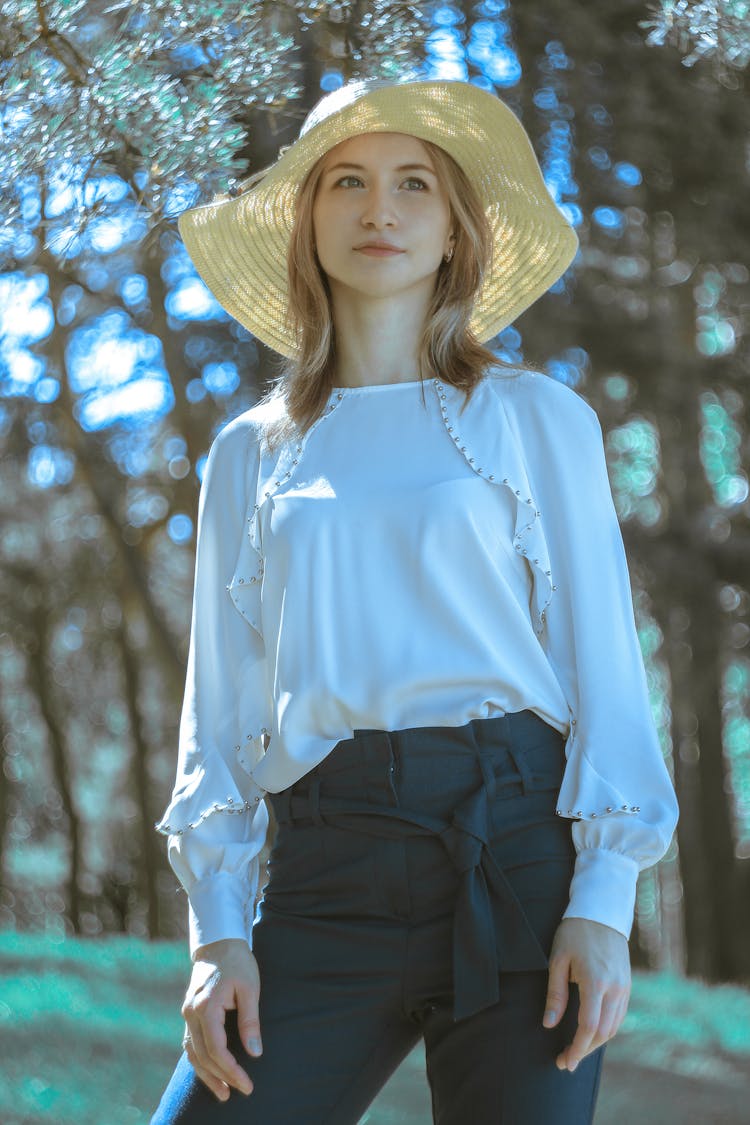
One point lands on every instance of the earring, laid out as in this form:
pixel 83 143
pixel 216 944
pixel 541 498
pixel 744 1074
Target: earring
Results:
pixel 447 257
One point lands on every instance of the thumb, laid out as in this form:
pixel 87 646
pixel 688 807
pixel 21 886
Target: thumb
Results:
pixel 557 992
pixel 248 1023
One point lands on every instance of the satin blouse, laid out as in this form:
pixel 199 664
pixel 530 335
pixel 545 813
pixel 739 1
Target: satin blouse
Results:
pixel 403 564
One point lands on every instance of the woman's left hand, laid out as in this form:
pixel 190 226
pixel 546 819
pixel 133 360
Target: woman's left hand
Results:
pixel 597 958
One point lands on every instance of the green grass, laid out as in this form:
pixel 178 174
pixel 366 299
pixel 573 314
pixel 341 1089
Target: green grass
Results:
pixel 90 1032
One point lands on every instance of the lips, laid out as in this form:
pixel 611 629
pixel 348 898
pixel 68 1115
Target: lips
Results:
pixel 380 246
pixel 379 251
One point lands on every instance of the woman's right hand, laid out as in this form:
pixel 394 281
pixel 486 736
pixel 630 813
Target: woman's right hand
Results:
pixel 225 976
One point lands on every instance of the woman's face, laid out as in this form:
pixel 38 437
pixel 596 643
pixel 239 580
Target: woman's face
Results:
pixel 367 192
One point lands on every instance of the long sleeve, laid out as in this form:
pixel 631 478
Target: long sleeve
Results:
pixel 216 820
pixel 616 786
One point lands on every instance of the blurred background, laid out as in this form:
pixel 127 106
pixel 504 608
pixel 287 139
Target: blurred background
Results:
pixel 117 368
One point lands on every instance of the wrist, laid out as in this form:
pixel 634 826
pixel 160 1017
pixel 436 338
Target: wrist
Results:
pixel 219 948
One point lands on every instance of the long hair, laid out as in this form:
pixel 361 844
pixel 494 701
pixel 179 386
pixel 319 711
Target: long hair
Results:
pixel 448 348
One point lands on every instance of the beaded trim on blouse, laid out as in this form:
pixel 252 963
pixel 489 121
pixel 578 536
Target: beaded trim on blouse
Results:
pixel 528 540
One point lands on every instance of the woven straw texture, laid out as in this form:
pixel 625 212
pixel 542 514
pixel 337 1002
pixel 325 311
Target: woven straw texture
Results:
pixel 238 245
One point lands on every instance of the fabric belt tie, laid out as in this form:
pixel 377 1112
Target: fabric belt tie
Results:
pixel 480 949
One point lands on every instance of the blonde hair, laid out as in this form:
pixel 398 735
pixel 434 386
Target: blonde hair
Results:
pixel 448 347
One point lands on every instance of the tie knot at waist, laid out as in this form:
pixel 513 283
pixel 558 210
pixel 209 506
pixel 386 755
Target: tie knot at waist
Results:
pixel 481 950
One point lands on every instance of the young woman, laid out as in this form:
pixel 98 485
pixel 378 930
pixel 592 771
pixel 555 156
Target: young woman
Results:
pixel 413 640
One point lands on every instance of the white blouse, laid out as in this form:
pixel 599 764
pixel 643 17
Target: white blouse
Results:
pixel 405 564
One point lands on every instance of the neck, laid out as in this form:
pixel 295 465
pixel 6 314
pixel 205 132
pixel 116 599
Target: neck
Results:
pixel 377 339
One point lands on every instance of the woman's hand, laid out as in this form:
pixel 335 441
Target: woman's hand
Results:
pixel 597 958
pixel 225 975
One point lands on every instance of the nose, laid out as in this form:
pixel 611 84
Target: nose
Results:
pixel 378 208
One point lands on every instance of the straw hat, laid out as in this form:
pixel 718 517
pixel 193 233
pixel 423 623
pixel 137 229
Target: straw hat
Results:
pixel 238 244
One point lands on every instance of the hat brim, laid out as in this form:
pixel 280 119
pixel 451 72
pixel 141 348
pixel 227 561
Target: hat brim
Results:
pixel 239 245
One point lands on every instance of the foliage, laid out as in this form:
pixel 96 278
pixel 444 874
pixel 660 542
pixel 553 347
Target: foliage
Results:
pixel 717 30
pixel 159 93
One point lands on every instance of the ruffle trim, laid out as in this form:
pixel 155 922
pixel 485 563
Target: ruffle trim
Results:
pixel 493 453
pixel 245 586
pixel 584 793
pixel 491 450
pixel 211 788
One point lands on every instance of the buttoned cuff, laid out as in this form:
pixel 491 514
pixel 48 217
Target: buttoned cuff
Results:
pixel 218 908
pixel 603 888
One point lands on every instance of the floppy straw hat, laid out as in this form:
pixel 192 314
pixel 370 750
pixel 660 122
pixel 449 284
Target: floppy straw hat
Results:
pixel 239 244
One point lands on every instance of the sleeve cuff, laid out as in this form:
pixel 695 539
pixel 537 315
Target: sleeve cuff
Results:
pixel 603 888
pixel 218 909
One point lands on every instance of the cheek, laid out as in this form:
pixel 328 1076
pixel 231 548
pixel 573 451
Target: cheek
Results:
pixel 328 218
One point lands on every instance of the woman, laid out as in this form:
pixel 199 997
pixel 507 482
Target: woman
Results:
pixel 427 664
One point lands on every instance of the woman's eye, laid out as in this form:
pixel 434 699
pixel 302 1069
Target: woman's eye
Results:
pixel 410 180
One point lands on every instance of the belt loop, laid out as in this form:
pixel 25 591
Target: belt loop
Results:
pixel 522 768
pixel 314 797
pixel 488 774
pixel 280 803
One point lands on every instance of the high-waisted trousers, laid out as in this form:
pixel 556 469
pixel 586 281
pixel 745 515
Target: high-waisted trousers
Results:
pixel 415 884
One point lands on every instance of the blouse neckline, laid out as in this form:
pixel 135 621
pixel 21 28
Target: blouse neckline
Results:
pixel 372 388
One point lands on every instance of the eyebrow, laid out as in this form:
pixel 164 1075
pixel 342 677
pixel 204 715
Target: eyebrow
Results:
pixel 400 168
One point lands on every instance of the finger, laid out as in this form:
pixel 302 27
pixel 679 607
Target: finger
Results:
pixel 195 1049
pixel 621 1013
pixel 609 1021
pixel 221 1060
pixel 557 991
pixel 588 1022
pixel 247 1021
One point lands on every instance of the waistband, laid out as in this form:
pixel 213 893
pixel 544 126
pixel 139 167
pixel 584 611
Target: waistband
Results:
pixel 480 950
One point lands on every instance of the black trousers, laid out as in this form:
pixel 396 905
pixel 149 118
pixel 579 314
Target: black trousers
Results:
pixel 414 888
